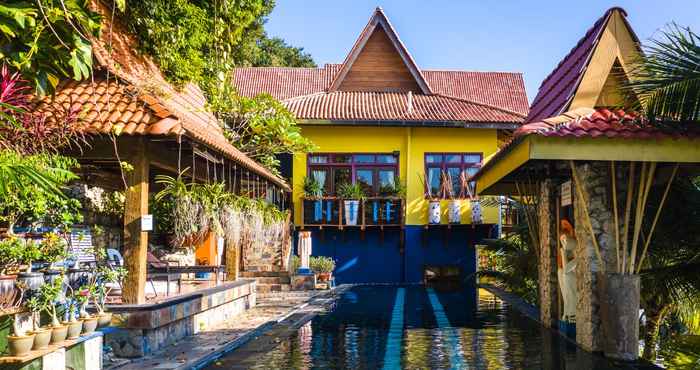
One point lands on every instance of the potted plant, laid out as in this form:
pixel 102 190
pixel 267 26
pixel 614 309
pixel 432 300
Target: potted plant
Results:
pixel 474 202
pixel 49 297
pixel 42 336
pixel 394 190
pixel 433 202
pixel 313 189
pixel 21 342
pixel 10 254
pixel 351 194
pixel 323 267
pixel 74 325
pixel 82 298
pixel 30 253
pixel 107 277
pixel 454 207
pixel 53 248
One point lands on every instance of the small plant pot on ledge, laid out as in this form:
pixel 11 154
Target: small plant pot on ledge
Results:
pixel 620 315
pixel 20 346
pixel 434 212
pixel 324 276
pixel 352 209
pixel 42 337
pixel 89 324
pixel 59 334
pixel 104 319
pixel 455 211
pixel 74 329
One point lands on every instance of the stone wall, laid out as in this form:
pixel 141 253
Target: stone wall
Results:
pixel 595 177
pixel 547 268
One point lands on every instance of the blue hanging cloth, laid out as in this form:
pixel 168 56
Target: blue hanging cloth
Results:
pixel 318 210
pixel 375 211
pixel 389 218
pixel 329 214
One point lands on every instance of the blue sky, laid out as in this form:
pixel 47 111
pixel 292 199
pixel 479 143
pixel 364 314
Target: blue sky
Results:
pixel 493 35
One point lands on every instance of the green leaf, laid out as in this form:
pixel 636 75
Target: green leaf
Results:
pixel 121 5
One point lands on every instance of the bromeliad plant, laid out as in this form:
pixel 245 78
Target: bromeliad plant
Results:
pixel 351 191
pixel 312 187
pixel 395 189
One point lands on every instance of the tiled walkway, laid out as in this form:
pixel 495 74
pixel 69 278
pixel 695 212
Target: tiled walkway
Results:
pixel 270 308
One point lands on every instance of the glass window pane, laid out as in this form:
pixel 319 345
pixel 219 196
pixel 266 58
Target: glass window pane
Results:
pixel 386 158
pixel 471 171
pixel 318 159
pixel 386 178
pixel 453 158
pixel 366 180
pixel 434 181
pixel 321 177
pixel 341 176
pixel 454 174
pixel 342 158
pixel 472 158
pixel 433 158
pixel 364 158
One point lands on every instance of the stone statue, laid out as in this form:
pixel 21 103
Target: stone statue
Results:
pixel 566 271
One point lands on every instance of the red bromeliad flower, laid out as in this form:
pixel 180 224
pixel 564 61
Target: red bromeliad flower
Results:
pixel 14 91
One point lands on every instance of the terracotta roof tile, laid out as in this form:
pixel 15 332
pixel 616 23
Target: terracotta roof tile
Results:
pixel 459 96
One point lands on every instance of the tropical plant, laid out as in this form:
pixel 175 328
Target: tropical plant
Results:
pixel 48 40
pixel 103 283
pixel 11 250
pixel 312 187
pixel 30 253
pixel 393 189
pixel 48 296
pixel 321 264
pixel 666 78
pixel 190 219
pixel 351 191
pixel 53 248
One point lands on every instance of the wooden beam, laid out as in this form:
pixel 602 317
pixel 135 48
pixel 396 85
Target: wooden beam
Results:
pixel 135 240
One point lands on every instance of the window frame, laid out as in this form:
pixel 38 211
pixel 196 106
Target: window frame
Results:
pixel 443 165
pixel 354 166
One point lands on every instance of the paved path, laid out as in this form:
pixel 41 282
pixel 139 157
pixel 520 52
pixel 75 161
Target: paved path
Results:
pixel 270 309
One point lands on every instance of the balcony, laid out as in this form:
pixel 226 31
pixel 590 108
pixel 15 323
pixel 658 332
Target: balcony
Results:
pixel 373 212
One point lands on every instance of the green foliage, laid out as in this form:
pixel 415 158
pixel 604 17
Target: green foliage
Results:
pixel 321 264
pixel 53 247
pixel 30 252
pixel 666 79
pixel 295 263
pixel 312 187
pixel 11 250
pixel 257 50
pixel 351 191
pixel 397 189
pixel 261 126
pixel 46 40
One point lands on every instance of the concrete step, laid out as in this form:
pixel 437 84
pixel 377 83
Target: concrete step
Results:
pixel 257 274
pixel 261 268
pixel 273 280
pixel 268 288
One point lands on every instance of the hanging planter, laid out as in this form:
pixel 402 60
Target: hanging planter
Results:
pixel 477 217
pixel 455 211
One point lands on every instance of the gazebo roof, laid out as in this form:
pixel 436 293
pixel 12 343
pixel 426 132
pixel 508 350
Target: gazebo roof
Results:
pixel 585 134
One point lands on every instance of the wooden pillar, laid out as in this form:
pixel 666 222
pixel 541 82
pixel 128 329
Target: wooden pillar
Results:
pixel 547 267
pixel 135 240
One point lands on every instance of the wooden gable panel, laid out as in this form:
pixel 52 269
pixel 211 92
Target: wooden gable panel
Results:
pixel 379 67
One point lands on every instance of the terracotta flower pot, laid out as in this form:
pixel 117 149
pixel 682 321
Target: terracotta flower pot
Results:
pixel 20 346
pixel 74 329
pixel 42 337
pixel 59 334
pixel 324 276
pixel 104 319
pixel 89 324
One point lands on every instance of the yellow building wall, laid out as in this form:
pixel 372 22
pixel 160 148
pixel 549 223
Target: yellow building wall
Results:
pixel 412 144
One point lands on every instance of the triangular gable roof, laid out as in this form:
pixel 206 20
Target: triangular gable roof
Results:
pixel 380 23
pixel 564 88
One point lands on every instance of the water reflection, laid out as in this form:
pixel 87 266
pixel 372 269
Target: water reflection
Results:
pixel 482 332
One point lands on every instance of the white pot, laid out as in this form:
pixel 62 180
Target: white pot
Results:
pixel 352 209
pixel 434 212
pixel 455 211
pixel 476 212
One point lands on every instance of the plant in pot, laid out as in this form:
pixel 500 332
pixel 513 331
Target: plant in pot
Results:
pixel 53 248
pixel 71 304
pixel 82 297
pixel 351 194
pixel 323 267
pixel 474 202
pixel 433 201
pixel 30 252
pixel 49 297
pixel 107 279
pixel 313 189
pixel 454 207
pixel 22 341
pixel 42 335
pixel 10 254
pixel 190 219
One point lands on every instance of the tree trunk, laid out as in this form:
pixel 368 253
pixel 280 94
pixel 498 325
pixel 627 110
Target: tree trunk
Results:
pixel 654 318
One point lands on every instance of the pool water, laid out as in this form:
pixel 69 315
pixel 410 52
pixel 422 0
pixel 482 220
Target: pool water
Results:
pixel 416 327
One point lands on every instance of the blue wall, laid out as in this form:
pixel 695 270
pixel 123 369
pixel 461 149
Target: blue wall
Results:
pixel 374 259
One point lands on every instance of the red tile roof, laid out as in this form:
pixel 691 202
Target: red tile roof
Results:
pixel 489 97
pixel 558 89
pixel 602 123
pixel 138 98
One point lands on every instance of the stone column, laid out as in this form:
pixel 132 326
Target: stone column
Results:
pixel 595 179
pixel 547 267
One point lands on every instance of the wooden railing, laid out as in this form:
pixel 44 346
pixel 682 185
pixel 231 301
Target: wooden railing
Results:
pixel 373 212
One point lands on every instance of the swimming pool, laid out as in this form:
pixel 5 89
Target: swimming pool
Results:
pixel 414 327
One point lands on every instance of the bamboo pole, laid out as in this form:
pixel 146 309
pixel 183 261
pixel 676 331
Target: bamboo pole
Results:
pixel 637 223
pixel 617 227
pixel 628 211
pixel 640 209
pixel 580 191
pixel 656 217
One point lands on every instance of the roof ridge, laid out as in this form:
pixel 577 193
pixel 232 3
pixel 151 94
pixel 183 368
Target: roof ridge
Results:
pixel 482 104
pixel 470 71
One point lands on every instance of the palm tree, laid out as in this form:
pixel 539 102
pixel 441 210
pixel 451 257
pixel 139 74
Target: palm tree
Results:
pixel 666 79
pixel 670 280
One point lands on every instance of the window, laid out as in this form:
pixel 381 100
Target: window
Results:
pixel 370 170
pixel 453 165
